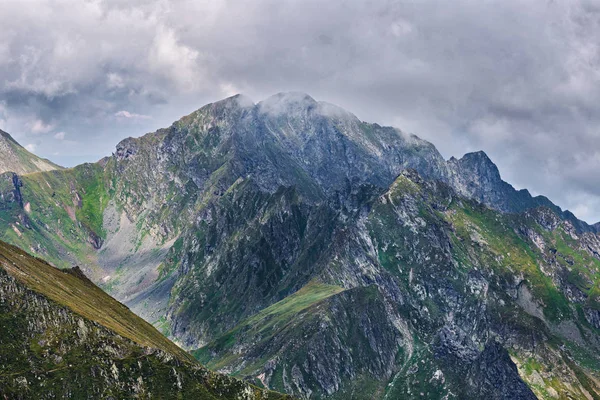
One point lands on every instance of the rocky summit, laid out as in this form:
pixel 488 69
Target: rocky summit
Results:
pixel 294 246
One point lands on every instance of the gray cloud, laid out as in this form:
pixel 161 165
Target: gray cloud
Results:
pixel 518 79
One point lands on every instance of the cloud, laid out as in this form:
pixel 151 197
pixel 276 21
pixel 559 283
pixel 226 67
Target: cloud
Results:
pixel 520 80
pixel 59 136
pixel 114 81
pixel 30 147
pixel 39 126
pixel 171 60
pixel 128 115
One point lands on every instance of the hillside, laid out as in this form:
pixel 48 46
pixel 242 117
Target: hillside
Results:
pixel 15 158
pixel 442 296
pixel 61 336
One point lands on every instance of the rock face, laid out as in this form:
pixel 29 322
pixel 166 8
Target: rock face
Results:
pixel 14 158
pixel 10 190
pixel 53 347
pixel 434 292
pixel 291 244
pixel 477 177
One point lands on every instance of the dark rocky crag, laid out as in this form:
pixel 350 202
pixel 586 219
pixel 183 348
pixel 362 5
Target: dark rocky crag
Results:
pixel 363 264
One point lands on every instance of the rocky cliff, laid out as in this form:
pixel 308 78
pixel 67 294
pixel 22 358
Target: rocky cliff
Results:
pixel 432 293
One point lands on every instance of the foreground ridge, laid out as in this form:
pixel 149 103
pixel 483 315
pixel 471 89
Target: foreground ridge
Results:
pixel 62 337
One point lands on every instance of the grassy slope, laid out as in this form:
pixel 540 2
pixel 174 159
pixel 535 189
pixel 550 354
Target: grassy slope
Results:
pixel 500 247
pixel 507 251
pixel 79 360
pixel 64 209
pixel 84 298
pixel 266 323
pixel 511 252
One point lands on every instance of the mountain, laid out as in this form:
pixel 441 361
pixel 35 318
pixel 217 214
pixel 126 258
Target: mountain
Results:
pixel 17 159
pixel 477 177
pixel 63 337
pixel 433 293
pixel 293 245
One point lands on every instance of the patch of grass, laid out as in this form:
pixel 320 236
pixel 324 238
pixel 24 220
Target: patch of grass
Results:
pixel 64 214
pixel 271 318
pixel 501 248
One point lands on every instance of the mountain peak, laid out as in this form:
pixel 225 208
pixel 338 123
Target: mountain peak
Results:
pixel 287 102
pixel 232 103
pixel 15 158
pixel 7 140
pixel 5 135
pixel 240 100
pixel 479 162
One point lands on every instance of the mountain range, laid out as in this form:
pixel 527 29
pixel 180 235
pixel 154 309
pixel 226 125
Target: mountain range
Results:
pixel 292 245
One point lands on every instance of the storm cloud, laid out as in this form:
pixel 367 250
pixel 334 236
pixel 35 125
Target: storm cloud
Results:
pixel 517 79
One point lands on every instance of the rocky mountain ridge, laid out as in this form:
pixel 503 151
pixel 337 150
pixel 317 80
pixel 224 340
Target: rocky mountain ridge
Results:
pixel 428 260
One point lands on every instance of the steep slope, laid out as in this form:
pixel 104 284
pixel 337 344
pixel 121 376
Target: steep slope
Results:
pixel 433 293
pixel 346 280
pixel 61 336
pixel 15 158
pixel 56 215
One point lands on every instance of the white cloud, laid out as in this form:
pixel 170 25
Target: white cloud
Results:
pixel 59 136
pixel 128 115
pixel 228 89
pixel 31 147
pixel 114 81
pixel 39 126
pixel 3 116
pixel 169 58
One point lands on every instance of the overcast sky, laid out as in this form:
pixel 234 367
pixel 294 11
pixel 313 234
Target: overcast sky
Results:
pixel 518 79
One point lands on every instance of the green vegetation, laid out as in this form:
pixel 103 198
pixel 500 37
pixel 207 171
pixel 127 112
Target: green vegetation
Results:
pixel 270 320
pixel 490 237
pixel 83 298
pixel 61 336
pixel 79 191
pixel 252 221
pixel 62 215
pixel 283 311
